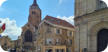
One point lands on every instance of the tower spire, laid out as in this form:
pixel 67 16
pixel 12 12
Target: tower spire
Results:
pixel 35 2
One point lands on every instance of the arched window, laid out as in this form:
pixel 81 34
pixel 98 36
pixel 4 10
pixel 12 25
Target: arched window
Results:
pixel 28 36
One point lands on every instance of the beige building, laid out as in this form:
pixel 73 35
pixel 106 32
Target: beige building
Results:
pixel 18 44
pixel 8 44
pixel 5 43
pixel 55 35
pixel 91 25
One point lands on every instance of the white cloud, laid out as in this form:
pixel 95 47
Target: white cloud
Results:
pixel 68 19
pixel 106 1
pixel 12 30
pixel 60 1
pixel 2 1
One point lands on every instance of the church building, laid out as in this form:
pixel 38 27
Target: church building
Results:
pixel 29 30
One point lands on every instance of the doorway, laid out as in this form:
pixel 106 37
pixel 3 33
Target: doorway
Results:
pixel 49 50
pixel 102 40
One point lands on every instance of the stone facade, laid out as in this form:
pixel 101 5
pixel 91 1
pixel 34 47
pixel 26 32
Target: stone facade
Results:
pixel 49 40
pixel 6 43
pixel 83 7
pixel 88 25
pixel 29 30
pixel 18 44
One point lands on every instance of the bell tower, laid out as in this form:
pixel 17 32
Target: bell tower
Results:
pixel 29 30
pixel 34 14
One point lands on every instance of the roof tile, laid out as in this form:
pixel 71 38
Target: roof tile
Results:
pixel 58 21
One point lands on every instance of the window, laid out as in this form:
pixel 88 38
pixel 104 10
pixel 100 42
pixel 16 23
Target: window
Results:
pixel 28 36
pixel 38 48
pixel 62 50
pixel 57 50
pixel 70 41
pixel 33 7
pixel 69 33
pixel 49 30
pixel 49 41
pixel 49 50
pixel 57 41
pixel 68 49
pixel 58 31
pixel 33 12
pixel 35 28
pixel 27 47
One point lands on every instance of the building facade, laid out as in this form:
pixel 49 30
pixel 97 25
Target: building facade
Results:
pixel 91 25
pixel 55 35
pixel 18 45
pixel 5 43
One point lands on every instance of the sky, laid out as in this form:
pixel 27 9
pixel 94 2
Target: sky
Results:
pixel 15 13
pixel 19 9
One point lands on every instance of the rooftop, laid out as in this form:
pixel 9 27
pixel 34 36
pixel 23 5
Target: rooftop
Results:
pixel 58 21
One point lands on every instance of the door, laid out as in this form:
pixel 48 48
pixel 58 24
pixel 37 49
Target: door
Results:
pixel 102 40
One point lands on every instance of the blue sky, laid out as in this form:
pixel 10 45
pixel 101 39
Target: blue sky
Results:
pixel 19 9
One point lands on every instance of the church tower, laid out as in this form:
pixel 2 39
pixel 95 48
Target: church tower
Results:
pixel 29 30
pixel 34 14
